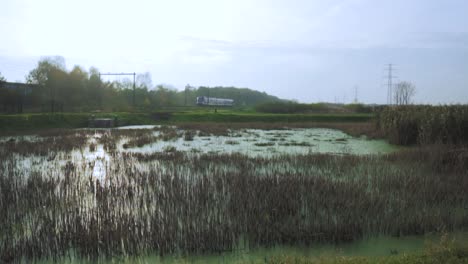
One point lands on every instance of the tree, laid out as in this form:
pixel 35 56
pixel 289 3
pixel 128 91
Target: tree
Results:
pixel 39 75
pixel 6 96
pixel 58 88
pixel 77 86
pixel 94 89
pixel 404 92
pixel 50 75
pixel 144 80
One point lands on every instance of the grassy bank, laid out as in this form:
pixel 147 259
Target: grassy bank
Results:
pixel 229 116
pixel 43 121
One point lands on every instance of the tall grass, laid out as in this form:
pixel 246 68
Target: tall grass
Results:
pixel 408 125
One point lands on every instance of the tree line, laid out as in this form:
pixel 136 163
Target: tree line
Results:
pixel 56 89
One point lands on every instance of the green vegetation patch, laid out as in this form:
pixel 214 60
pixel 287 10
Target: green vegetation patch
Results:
pixel 229 116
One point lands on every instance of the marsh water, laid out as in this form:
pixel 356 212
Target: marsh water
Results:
pixel 177 166
pixel 252 142
pixel 249 142
pixel 369 247
pixel 257 142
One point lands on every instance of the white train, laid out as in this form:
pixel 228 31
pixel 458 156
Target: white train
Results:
pixel 211 101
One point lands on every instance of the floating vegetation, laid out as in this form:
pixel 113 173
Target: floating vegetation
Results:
pixel 231 142
pixel 188 135
pixel 170 149
pixel 92 147
pixel 194 150
pixel 203 134
pixel 168 133
pixel 238 135
pixel 265 144
pixel 296 144
pixel 207 129
pixel 155 140
pixel 140 141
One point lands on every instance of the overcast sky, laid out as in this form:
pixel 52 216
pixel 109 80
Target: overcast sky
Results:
pixel 308 50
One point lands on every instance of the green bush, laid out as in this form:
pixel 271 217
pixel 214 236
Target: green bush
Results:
pixel 291 108
pixel 359 108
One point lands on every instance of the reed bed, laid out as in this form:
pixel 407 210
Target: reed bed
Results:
pixel 45 144
pixel 54 141
pixel 174 202
pixel 409 125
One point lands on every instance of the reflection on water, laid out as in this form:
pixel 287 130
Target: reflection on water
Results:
pixel 100 159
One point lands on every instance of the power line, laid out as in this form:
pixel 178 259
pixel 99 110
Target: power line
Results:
pixel 356 94
pixel 390 69
pixel 187 87
pixel 121 73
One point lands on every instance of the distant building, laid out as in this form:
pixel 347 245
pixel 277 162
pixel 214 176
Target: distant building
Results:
pixel 13 96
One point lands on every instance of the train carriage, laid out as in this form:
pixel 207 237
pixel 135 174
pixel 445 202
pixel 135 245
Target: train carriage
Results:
pixel 212 101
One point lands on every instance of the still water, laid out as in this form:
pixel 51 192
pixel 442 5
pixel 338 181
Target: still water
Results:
pixel 368 247
pixel 256 142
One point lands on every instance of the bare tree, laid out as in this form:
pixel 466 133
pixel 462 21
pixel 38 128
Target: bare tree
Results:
pixel 144 80
pixel 404 92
